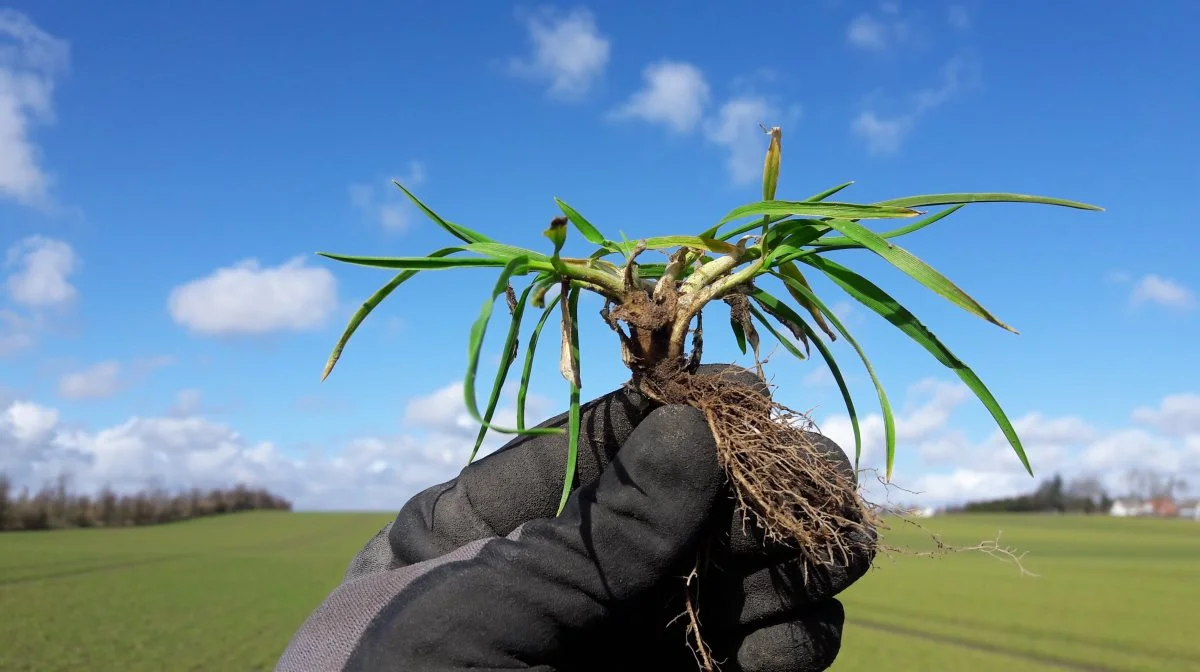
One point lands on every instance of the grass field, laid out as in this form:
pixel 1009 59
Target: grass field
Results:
pixel 226 594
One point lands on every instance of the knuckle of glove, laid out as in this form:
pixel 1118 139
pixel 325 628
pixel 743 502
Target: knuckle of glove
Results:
pixel 517 483
pixel 736 374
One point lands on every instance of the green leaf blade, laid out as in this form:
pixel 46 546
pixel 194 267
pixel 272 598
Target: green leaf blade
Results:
pixel 915 268
pixel 416 263
pixel 369 305
pixel 879 301
pixel 815 198
pixel 817 209
pixel 573 413
pixel 739 334
pixel 475 347
pixel 820 196
pixel 508 356
pixel 527 371
pixel 586 229
pixel 889 420
pixel 842 241
pixel 783 340
pixel 986 197
pixel 461 232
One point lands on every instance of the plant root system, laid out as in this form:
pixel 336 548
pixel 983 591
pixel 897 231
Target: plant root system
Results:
pixel 797 494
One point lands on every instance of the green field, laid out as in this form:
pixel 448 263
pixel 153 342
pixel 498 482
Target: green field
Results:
pixel 226 594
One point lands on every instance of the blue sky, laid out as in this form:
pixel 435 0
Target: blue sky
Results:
pixel 167 174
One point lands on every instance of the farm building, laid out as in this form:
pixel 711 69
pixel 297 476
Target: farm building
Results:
pixel 1162 507
pixel 1190 509
pixel 1131 506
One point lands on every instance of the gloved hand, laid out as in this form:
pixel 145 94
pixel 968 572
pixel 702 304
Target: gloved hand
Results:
pixel 592 589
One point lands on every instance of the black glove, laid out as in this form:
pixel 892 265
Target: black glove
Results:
pixel 756 612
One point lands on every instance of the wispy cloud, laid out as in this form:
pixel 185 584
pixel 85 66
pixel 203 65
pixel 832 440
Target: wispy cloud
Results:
pixel 958 17
pixel 383 203
pixel 1118 276
pixel 98 381
pixel 879 31
pixel 884 135
pixel 105 379
pixel 31 62
pixel 17 331
pixel 736 129
pixel 188 402
pixel 1160 291
pixel 568 52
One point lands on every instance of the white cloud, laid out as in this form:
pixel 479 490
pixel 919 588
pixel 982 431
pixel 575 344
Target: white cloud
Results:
pixel 42 268
pixel 248 299
pixel 568 52
pixel 1154 289
pixel 867 32
pixel 1118 277
pixel 885 134
pixel 1036 428
pixel 27 422
pixel 16 332
pixel 974 484
pixel 879 33
pixel 957 74
pixel 957 469
pixel 818 377
pixel 736 128
pixel 958 17
pixel 444 411
pixel 106 379
pixel 674 94
pixel 382 202
pixel 1176 415
pixel 188 450
pixel 187 402
pixel 1126 449
pixel 930 404
pixel 98 381
pixel 1050 443
pixel 31 61
pixel 38 279
pixel 933 413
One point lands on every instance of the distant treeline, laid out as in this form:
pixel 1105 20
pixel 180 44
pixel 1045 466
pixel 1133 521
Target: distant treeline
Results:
pixel 1084 495
pixel 55 507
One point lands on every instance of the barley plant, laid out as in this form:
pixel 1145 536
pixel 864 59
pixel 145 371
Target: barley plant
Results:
pixel 794 496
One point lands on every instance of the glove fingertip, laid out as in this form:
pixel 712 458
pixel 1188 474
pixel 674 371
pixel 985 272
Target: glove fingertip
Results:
pixel 809 641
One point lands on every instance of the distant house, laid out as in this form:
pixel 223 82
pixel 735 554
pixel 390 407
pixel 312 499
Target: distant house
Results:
pixel 1161 507
pixel 1164 507
pixel 1190 509
pixel 1131 506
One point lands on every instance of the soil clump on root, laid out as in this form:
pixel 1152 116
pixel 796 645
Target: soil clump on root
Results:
pixel 796 492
